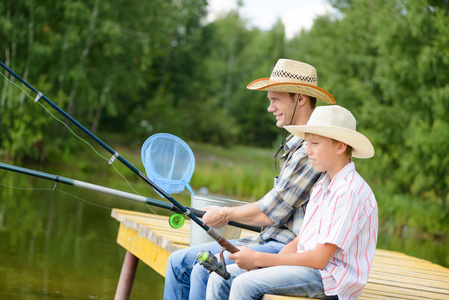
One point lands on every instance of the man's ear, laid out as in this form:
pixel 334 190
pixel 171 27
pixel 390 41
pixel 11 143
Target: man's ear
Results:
pixel 302 99
pixel 341 148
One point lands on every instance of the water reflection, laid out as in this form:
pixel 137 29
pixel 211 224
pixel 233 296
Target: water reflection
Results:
pixel 53 245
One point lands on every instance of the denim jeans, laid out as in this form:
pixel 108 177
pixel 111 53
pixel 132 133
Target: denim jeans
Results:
pixel 185 278
pixel 279 280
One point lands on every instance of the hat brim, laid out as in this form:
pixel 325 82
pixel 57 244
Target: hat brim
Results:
pixel 265 84
pixel 362 147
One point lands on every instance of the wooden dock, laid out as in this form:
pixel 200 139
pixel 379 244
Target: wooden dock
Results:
pixel 393 275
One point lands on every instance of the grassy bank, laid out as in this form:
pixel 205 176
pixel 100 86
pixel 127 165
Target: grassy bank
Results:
pixel 246 174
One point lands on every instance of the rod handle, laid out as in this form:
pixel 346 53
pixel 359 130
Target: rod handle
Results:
pixel 227 245
pixel 200 213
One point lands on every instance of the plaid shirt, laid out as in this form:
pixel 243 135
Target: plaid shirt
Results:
pixel 286 203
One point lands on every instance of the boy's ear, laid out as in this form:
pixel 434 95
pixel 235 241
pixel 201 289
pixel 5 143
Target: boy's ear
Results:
pixel 341 148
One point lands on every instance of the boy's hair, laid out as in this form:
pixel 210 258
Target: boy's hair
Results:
pixel 348 151
pixel 312 99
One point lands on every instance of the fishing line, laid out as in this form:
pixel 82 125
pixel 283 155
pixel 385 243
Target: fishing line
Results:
pixel 80 138
pixel 184 211
pixel 91 203
pixel 57 190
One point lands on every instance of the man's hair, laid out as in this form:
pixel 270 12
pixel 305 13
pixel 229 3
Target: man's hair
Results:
pixel 312 99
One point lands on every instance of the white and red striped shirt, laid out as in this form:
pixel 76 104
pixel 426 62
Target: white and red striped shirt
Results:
pixel 342 212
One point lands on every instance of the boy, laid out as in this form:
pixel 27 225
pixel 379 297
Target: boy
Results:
pixel 331 256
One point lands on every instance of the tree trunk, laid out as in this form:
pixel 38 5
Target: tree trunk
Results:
pixel 84 54
pixel 29 58
pixel 99 110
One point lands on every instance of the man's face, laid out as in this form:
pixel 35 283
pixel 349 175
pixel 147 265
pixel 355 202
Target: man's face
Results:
pixel 282 106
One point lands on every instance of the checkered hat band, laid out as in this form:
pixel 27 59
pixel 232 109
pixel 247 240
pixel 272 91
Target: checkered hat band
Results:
pixel 285 74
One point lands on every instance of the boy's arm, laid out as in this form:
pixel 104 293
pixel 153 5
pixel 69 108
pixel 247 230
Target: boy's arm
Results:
pixel 317 258
pixel 217 217
pixel 290 247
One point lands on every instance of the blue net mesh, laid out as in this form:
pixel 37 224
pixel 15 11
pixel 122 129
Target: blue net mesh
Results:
pixel 169 162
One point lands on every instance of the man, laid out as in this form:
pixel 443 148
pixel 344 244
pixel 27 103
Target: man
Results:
pixel 292 92
pixel 332 255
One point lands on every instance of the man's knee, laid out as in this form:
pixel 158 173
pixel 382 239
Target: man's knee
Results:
pixel 199 271
pixel 176 258
pixel 171 258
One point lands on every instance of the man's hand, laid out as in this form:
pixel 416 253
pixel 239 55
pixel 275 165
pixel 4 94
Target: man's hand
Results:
pixel 215 216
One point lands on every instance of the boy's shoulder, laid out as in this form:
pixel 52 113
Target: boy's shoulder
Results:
pixel 354 192
pixel 352 181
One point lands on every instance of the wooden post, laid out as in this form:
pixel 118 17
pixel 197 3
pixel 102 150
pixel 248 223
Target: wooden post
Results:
pixel 125 282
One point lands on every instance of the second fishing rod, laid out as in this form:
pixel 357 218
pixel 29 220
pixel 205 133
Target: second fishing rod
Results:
pixel 177 223
pixel 115 155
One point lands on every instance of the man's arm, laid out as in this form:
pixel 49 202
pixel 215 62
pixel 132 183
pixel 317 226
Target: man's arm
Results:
pixel 317 258
pixel 217 217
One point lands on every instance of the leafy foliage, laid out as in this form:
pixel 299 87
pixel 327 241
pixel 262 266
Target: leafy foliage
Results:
pixel 137 68
pixel 387 62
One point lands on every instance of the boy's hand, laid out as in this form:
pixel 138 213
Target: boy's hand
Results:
pixel 245 258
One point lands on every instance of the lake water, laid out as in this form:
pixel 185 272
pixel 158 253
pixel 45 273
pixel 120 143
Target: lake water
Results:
pixel 53 245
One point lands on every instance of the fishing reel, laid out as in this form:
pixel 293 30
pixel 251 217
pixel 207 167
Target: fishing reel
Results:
pixel 210 262
pixel 176 220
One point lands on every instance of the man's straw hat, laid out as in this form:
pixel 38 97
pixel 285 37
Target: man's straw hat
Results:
pixel 337 123
pixel 293 77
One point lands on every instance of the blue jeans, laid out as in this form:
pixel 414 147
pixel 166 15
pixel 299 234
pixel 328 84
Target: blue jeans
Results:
pixel 185 278
pixel 279 280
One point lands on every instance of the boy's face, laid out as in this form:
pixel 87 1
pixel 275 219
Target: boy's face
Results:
pixel 322 152
pixel 282 106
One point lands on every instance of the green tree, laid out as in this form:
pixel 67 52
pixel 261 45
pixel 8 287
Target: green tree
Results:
pixel 87 56
pixel 387 61
pixel 239 55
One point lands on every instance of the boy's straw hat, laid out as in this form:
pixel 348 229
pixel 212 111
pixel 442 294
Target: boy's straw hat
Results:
pixel 337 123
pixel 293 77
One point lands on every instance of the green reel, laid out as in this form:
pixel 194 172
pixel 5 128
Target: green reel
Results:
pixel 176 220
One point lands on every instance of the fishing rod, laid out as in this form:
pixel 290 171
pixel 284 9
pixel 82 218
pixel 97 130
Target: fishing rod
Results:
pixel 176 220
pixel 115 155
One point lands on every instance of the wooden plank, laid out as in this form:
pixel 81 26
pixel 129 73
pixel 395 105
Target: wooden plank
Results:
pixel 411 271
pixel 373 289
pixel 150 253
pixel 391 278
pixel 131 221
pixel 278 297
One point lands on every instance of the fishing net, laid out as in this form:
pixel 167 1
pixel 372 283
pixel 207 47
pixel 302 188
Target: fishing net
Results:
pixel 168 162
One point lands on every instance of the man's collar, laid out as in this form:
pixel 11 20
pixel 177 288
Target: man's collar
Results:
pixel 293 142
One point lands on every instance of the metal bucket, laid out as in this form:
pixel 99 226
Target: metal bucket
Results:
pixel 197 234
